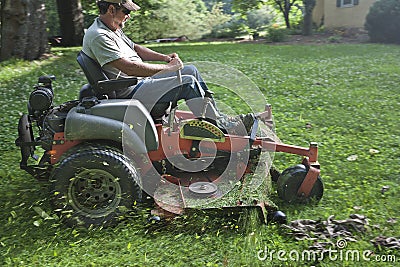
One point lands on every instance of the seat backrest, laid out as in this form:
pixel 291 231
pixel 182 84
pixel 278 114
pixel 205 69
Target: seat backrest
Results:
pixel 93 72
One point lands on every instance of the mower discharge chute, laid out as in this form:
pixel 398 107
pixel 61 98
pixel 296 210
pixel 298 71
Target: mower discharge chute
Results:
pixel 104 155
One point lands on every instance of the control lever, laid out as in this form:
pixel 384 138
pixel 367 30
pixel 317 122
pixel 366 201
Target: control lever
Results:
pixel 175 102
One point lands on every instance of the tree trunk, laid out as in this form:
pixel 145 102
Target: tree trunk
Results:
pixel 71 22
pixel 287 20
pixel 308 8
pixel 286 13
pixel 285 7
pixel 23 29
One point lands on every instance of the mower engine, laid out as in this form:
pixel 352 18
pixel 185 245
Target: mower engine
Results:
pixel 48 120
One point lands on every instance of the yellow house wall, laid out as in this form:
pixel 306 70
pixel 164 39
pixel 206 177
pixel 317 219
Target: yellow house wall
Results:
pixel 333 16
pixel 318 12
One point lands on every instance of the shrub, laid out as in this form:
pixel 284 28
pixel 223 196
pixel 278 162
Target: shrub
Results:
pixel 383 22
pixel 259 19
pixel 229 29
pixel 276 34
pixel 334 39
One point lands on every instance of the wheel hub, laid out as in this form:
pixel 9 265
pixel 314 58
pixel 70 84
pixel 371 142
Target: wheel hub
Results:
pixel 94 191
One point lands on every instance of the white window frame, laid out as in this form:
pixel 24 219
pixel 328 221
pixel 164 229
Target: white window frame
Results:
pixel 342 4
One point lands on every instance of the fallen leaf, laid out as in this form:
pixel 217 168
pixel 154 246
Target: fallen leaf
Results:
pixel 352 158
pixel 385 188
pixel 373 151
pixel 389 242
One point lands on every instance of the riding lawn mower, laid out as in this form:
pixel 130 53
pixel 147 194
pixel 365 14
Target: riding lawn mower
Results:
pixel 103 155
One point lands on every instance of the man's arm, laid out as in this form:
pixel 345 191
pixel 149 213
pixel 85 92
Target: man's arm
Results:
pixel 150 55
pixel 143 69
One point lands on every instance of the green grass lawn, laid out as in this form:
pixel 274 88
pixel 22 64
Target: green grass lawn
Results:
pixel 345 97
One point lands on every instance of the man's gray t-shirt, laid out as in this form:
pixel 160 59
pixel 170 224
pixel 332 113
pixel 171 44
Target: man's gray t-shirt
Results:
pixel 105 46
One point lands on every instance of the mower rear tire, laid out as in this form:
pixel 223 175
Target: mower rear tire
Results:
pixel 290 181
pixel 96 186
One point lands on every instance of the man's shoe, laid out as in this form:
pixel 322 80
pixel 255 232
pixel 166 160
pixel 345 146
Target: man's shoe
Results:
pixel 236 125
pixel 248 121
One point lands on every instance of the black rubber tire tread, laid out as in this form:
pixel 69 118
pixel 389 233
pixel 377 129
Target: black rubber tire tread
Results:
pixel 290 181
pixel 87 146
pixel 104 158
pixel 275 174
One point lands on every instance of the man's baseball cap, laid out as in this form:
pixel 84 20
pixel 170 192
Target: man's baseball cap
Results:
pixel 128 4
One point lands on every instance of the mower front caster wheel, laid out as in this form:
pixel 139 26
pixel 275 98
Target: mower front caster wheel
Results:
pixel 277 217
pixel 290 181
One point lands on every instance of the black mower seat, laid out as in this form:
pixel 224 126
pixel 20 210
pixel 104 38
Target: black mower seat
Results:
pixel 102 87
pixel 99 84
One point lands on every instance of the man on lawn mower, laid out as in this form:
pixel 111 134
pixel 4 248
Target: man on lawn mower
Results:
pixel 106 43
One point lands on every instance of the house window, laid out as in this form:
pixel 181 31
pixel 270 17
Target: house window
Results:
pixel 346 3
